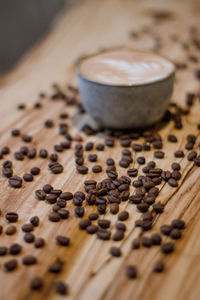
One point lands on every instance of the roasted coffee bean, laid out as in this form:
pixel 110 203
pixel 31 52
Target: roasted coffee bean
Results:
pixel 54 217
pixel 118 235
pixel 56 208
pixel 124 163
pixel 64 213
pixel 146 241
pixel 27 227
pixel 43 153
pixel 166 229
pixel 146 225
pixel 175 234
pixel 48 123
pixel 56 267
pixel 28 177
pixel 172 138
pixel 159 154
pixel 136 243
pixel 10 230
pixel 89 146
pixel 7 172
pixel 29 260
pixel 100 147
pixel 115 251
pixel 29 237
pixel 120 226
pixel 15 132
pixel 26 138
pixel 109 142
pixel 189 146
pixel 176 175
pixel 158 208
pixel 192 155
pixel 138 223
pixel 110 162
pixel 47 188
pixel 15 181
pixel 93 216
pixel 5 150
pixel 35 171
pixel 97 169
pixel 39 243
pixel 172 182
pixel 61 202
pixel 31 153
pixel 40 195
pixel 180 224
pixel 51 198
pixel 131 272
pixel 167 248
pixel 123 216
pixel 53 157
pixel 103 234
pixel 3 251
pixel 112 174
pixel 114 208
pixel 156 239
pixel 158 267
pixel 58 148
pixel 15 249
pixel 125 142
pixel 66 196
pixel 141 160
pixel 175 166
pixel 56 168
pixel 62 240
pixel 24 150
pixel 61 288
pixel 166 175
pixel 1 229
pixel 79 211
pixel 36 284
pixel 149 199
pixel 18 155
pixel 142 207
pixel 82 169
pixel 179 153
pixel 92 157
pixel 91 229
pixel 137 147
pixel 56 192
pixel 10 265
pixel 35 221
pixel 101 209
pixel 12 217
pixel 132 172
pixel 104 223
pixel 197 161
pixel 84 223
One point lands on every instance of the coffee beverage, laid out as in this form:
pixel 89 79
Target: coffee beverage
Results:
pixel 126 67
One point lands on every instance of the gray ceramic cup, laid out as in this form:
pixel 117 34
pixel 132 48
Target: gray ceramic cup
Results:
pixel 125 107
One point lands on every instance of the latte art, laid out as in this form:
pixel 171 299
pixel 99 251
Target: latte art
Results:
pixel 126 67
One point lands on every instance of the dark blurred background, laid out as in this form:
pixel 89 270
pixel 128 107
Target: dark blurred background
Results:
pixel 22 24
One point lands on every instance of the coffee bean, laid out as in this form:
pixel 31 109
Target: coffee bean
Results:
pixel 55 267
pixel 120 226
pixel 166 175
pixel 142 207
pixel 26 138
pixel 172 138
pixel 12 217
pixel 110 162
pixel 66 196
pixel 54 217
pixel 27 227
pixel 91 229
pixel 189 146
pixel 62 240
pixel 35 221
pixel 7 172
pixel 158 267
pixel 84 223
pixel 1 229
pixel 146 225
pixel 131 272
pixel 43 153
pixel 15 132
pixel 118 235
pixel 19 155
pixel 39 243
pixel 3 251
pixel 156 239
pixel 103 234
pixel 36 284
pixel 28 177
pixel 64 213
pixel 24 150
pixel 175 234
pixel 100 147
pixel 15 181
pixel 176 175
pixel 179 153
pixel 53 157
pixel 166 229
pixel 49 124
pixel 124 163
pixel 56 168
pixel 104 223
pixel 15 249
pixel 141 160
pixel 115 251
pixel 5 150
pixel 40 195
pixel 167 248
pixel 192 155
pixel 172 182
pixel 136 243
pixel 29 237
pixel 61 288
pixel 158 208
pixel 123 216
pixel 180 224
pixel 51 198
pixel 35 171
pixel 137 147
pixel 82 169
pixel 146 241
pixel 175 166
pixel 93 216
pixel 97 169
pixel 29 260
pixel 114 208
pixel 10 230
pixel 10 265
pixel 159 154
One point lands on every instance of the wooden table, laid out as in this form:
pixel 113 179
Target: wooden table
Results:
pixel 89 270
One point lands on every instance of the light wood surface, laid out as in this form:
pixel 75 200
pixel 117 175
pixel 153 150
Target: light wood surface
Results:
pixel 89 270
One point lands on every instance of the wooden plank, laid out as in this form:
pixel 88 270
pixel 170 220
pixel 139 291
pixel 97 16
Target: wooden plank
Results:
pixel 89 270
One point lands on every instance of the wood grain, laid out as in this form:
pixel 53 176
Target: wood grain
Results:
pixel 89 270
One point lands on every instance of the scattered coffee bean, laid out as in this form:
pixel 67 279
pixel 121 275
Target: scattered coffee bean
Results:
pixel 97 169
pixel 40 195
pixel 43 153
pixel 91 229
pixel 39 243
pixel 172 182
pixel 179 154
pixel 175 234
pixel 131 271
pixel 123 216
pixel 166 229
pixel 167 248
pixel 3 251
pixel 29 260
pixel 136 243
pixel 61 288
pixel 156 239
pixel 28 177
pixel 158 267
pixel 146 242
pixel 10 265
pixel 36 284
pixel 179 224
pixel 118 235
pixel 35 221
pixel 172 138
pixel 15 249
pixel 29 237
pixel 35 171
pixel 114 251
pixel 103 234
pixel 15 181
pixel 62 240
pixel 12 217
pixel 93 216
pixel 27 227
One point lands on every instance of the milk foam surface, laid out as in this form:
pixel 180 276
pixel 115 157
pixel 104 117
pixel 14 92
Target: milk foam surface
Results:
pixel 126 67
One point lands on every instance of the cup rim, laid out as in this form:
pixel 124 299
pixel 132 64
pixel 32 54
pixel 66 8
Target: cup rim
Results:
pixel 83 57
